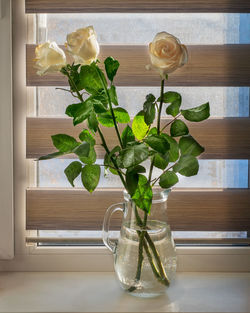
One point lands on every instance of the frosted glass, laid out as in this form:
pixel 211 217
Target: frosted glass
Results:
pixel 140 28
pixel 212 174
pixel 224 101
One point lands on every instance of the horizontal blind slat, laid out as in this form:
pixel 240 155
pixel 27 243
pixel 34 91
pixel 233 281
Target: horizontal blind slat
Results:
pixel 209 65
pixel 98 6
pixel 188 210
pixel 226 138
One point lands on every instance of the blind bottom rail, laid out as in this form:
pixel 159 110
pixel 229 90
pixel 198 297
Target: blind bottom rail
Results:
pixel 98 241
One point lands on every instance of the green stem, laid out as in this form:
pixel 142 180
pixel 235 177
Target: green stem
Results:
pixel 160 107
pixel 110 107
pixel 151 169
pixel 160 273
pixel 141 235
pixel 156 179
pixel 158 260
pixel 140 259
pixel 112 159
pixel 170 122
pixel 99 131
pixel 72 83
pixel 150 259
pixel 158 127
pixel 152 246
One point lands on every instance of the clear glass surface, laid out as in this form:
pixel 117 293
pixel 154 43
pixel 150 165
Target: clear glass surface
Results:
pixel 190 28
pixel 145 265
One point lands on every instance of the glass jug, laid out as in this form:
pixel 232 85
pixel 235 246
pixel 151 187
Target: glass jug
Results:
pixel 144 254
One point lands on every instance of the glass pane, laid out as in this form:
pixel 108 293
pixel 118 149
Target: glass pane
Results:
pixel 190 28
pixel 212 174
pixel 224 101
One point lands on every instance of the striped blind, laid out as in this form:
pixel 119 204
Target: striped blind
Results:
pixel 225 137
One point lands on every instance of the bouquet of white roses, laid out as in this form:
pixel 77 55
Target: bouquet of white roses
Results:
pixel 169 147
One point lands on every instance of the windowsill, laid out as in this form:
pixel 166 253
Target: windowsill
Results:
pixel 100 292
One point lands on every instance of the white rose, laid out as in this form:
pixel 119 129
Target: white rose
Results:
pixel 83 46
pixel 49 58
pixel 167 53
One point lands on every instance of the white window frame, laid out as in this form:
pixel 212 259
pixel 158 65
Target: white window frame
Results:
pixel 6 136
pixel 33 258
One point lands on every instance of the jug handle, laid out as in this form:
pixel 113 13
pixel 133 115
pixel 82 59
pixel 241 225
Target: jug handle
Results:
pixel 111 245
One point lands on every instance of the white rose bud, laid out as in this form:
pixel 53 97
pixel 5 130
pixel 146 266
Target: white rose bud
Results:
pixel 83 46
pixel 49 58
pixel 167 53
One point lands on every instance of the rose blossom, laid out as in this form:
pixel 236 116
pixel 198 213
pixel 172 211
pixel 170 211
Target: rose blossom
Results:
pixel 167 53
pixel 49 58
pixel 83 46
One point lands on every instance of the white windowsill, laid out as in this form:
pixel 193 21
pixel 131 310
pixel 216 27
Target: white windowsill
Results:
pixel 100 292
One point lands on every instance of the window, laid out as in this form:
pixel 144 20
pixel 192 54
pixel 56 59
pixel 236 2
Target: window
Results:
pixel 215 204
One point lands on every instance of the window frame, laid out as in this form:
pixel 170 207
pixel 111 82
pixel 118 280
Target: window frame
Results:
pixel 6 139
pixel 30 257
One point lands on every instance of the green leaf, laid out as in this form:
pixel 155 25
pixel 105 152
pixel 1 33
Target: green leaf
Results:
pixel 127 136
pixel 149 109
pixel 82 150
pixel 91 158
pixel 168 179
pixel 79 111
pixel 113 95
pixel 188 145
pixel 173 152
pixel 170 97
pixel 51 156
pixel 99 107
pixel 92 78
pixel 92 122
pixel 197 114
pixel 143 194
pixel 132 178
pixel 178 128
pixel 173 109
pixel 106 119
pixel 91 176
pixel 134 155
pixel 102 97
pixel 72 71
pixel 72 171
pixel 158 143
pixel 187 165
pixel 64 143
pixel 153 131
pixel 149 112
pixel 111 67
pixel 86 136
pixel 139 127
pixel 108 161
pixel 150 98
pixel 161 161
pixel 121 116
pixel 116 149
